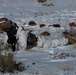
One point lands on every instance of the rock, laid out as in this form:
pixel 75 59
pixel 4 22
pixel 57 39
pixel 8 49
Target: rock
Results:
pixel 56 25
pixel 32 23
pixel 45 33
pixel 42 25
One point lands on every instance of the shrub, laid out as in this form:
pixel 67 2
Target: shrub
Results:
pixel 48 4
pixel 8 64
pixel 65 67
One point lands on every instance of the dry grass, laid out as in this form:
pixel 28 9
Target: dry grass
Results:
pixel 7 47
pixel 65 67
pixel 48 4
pixel 8 64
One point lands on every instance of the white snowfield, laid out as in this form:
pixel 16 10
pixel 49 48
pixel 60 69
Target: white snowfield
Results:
pixel 45 59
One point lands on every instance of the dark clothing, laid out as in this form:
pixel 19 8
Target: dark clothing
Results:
pixel 31 40
pixel 12 37
pixel 9 24
pixel 12 40
pixel 11 29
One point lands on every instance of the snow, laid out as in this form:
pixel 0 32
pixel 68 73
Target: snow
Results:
pixel 23 11
pixel 22 38
pixel 56 39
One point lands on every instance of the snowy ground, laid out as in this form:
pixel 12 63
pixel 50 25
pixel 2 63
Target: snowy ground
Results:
pixel 43 61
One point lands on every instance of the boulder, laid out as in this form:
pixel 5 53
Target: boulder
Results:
pixel 45 33
pixel 32 23
pixel 42 25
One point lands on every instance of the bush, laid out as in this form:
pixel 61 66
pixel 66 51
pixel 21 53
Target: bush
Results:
pixel 8 64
